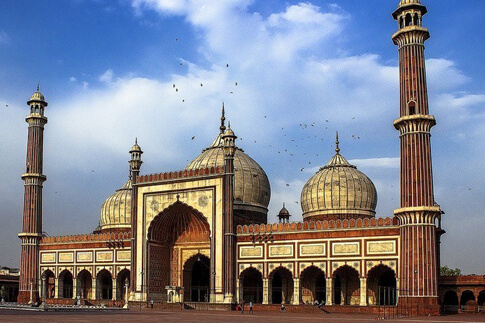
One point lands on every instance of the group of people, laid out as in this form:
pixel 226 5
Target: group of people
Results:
pixel 242 305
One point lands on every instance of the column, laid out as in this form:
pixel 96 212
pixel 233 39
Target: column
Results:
pixel 329 292
pixel 74 288
pixel 270 292
pixel 56 287
pixel 265 291
pixel 238 290
pixel 363 291
pixel 94 295
pixel 113 296
pixel 296 291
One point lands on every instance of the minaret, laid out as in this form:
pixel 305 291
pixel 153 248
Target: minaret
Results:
pixel 32 214
pixel 135 165
pixel 229 253
pixel 135 161
pixel 418 213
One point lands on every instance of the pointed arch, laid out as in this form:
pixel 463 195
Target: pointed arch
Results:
pixel 175 225
pixel 381 286
pixel 313 285
pixel 346 286
pixel 281 285
pixel 251 284
pixel 66 284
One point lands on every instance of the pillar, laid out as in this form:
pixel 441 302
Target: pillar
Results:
pixel 56 287
pixel 238 290
pixel 114 290
pixel 94 294
pixel 270 292
pixel 74 288
pixel 329 292
pixel 296 291
pixel 363 291
pixel 265 291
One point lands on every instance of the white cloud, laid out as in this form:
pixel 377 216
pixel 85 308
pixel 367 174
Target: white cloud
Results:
pixel 72 79
pixel 85 85
pixel 107 76
pixel 386 162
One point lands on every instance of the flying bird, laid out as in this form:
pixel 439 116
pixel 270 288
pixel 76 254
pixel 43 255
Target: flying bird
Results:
pixel 235 84
pixel 227 65
pixel 201 84
pixel 193 137
pixel 287 184
pixel 173 85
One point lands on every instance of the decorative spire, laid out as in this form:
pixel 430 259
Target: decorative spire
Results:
pixel 136 140
pixel 223 118
pixel 337 149
pixel 38 86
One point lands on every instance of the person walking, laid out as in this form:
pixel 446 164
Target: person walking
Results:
pixel 242 307
pixel 251 311
pixel 151 303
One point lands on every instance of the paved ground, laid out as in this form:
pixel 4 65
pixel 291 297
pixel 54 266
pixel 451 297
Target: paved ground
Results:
pixel 202 316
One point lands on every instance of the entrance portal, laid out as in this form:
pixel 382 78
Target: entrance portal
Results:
pixel 176 231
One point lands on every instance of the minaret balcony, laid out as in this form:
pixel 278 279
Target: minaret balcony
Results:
pixel 410 35
pixel 414 123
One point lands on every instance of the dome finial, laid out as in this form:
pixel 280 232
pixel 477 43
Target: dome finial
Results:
pixel 223 118
pixel 38 86
pixel 337 149
pixel 136 140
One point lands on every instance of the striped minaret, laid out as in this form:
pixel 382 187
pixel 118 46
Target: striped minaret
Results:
pixel 32 214
pixel 418 214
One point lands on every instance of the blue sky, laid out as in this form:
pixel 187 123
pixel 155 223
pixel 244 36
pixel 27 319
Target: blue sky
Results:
pixel 107 70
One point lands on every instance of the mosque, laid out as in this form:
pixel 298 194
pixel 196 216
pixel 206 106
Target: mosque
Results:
pixel 201 234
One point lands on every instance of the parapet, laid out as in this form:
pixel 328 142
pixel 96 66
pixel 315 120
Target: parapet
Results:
pixel 158 177
pixel 345 224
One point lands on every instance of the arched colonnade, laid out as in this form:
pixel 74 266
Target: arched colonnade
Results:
pixel 343 287
pixel 102 286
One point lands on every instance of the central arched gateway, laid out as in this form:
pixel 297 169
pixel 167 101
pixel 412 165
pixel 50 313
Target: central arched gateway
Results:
pixel 178 247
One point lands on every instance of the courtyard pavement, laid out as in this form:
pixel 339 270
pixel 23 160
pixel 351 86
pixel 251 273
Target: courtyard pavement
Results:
pixel 7 316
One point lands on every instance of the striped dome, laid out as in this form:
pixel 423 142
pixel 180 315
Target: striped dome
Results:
pixel 116 209
pixel 337 191
pixel 251 187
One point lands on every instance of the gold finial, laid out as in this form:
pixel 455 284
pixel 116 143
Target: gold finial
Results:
pixel 337 149
pixel 223 118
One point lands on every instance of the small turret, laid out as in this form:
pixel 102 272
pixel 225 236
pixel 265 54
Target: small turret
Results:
pixel 284 215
